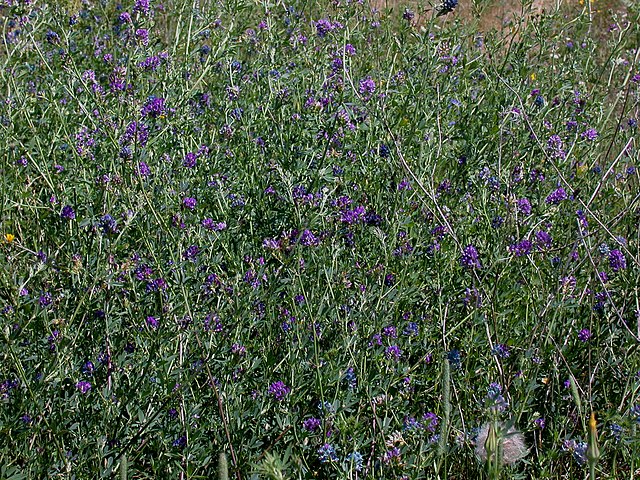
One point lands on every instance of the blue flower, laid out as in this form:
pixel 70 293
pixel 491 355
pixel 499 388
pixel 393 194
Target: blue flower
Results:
pixel 356 459
pixel 454 358
pixel 447 6
pixel 327 453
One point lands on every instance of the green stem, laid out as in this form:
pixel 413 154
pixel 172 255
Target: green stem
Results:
pixel 446 413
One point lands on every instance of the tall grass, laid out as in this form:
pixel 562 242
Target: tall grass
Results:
pixel 326 240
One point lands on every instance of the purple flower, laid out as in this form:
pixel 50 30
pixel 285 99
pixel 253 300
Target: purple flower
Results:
pixel 190 160
pixel 410 423
pixel 431 421
pixel 252 278
pixel 117 79
pixel 83 386
pixel 53 339
pixel 154 107
pixel 237 201
pixel 521 249
pixel 46 299
pixel 584 335
pixel 191 253
pixel 271 243
pixel 68 213
pixel 143 169
pixel 501 351
pixel 405 184
pixel 189 202
pixel 356 215
pixel 617 261
pixel 157 284
pixel 543 240
pixel 557 196
pixel 555 147
pixel 42 256
pixel 408 14
pixel 152 322
pixel 393 352
pixel 143 35
pixel 136 133
pixel 108 225
pixel 150 63
pixel 324 26
pixel 308 239
pixel 311 424
pixel 180 442
pixel 367 86
pixel 411 329
pixel 571 125
pixel 210 224
pixel 88 368
pixel 126 153
pixel 447 6
pixel 590 134
pixel 391 455
pixel 469 258
pixel 52 37
pixel 524 206
pixel 356 459
pixel 279 390
pixel 390 331
pixel 142 6
pixel 212 321
pixel 616 431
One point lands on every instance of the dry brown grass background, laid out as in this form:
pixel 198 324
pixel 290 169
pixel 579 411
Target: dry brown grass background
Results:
pixel 502 14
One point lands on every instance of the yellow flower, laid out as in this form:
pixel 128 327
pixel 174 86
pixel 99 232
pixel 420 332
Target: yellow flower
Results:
pixel 532 76
pixel 9 237
pixel 593 452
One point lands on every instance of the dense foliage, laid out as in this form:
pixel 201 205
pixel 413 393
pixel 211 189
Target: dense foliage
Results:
pixel 328 241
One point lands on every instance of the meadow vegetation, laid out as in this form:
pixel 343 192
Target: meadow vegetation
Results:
pixel 291 239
